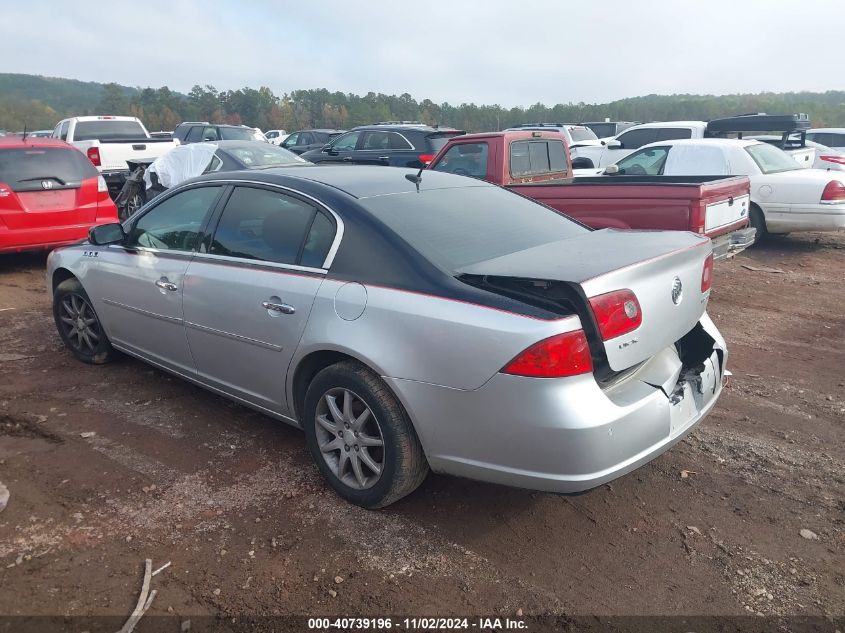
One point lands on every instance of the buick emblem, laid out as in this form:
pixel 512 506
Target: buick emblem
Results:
pixel 677 290
pixel 46 184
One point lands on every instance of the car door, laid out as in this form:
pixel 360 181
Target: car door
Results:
pixel 630 141
pixel 138 285
pixel 292 143
pixel 340 150
pixel 248 296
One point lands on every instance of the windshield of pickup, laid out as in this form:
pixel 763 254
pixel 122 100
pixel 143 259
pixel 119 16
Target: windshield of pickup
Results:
pixel 108 131
pixel 457 226
pixel 770 159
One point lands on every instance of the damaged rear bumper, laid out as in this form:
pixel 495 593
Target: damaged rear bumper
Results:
pixel 734 242
pixel 567 435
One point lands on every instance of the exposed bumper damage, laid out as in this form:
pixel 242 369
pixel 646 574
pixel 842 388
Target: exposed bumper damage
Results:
pixel 571 434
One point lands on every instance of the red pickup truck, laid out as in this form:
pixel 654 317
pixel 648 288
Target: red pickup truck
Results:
pixel 537 165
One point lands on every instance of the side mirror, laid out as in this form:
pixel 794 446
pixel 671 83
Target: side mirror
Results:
pixel 613 144
pixel 106 234
pixel 611 169
pixel 582 162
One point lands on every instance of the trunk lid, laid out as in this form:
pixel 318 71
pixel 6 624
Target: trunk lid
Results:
pixel 652 264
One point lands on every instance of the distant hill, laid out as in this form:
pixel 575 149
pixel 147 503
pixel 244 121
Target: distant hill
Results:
pixel 38 102
pixel 63 95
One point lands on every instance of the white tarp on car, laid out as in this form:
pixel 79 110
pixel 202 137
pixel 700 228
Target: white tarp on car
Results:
pixel 180 163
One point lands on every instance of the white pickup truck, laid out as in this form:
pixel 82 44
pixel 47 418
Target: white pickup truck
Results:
pixel 110 141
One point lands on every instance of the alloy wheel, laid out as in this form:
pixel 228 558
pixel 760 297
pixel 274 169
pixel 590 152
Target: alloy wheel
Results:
pixel 349 438
pixel 79 323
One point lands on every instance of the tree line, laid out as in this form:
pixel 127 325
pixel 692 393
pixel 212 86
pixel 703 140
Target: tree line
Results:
pixel 163 109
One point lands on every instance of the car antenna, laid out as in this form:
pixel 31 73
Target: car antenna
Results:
pixel 23 138
pixel 416 178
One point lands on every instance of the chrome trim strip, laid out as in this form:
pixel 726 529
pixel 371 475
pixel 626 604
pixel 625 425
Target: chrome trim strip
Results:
pixel 237 337
pixel 161 317
pixel 258 263
pixel 338 236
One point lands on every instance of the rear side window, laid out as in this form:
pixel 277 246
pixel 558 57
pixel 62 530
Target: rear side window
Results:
pixel 635 139
pixel 830 139
pixel 673 133
pixel 465 159
pixel 24 168
pixel 529 158
pixel 108 130
pixel 175 223
pixel 269 226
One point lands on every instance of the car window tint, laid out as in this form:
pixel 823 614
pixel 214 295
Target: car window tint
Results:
pixel 291 140
pixel 465 159
pixel 673 133
pixel 319 241
pixel 557 156
pixel 194 134
pixel 175 223
pixel 263 225
pixel 307 138
pixel 646 162
pixel 210 134
pixel 347 142
pixel 635 139
pixel 25 168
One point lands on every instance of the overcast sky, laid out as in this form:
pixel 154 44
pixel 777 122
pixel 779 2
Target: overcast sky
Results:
pixel 514 52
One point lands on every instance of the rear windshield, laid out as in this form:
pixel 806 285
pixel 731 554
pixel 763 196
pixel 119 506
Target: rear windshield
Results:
pixel 269 156
pixel 24 166
pixel 439 140
pixel 108 131
pixel 582 134
pixel 603 130
pixel 240 134
pixel 456 227
pixel 770 159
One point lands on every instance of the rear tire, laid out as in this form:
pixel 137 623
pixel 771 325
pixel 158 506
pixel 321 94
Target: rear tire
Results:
pixel 78 324
pixel 758 221
pixel 346 450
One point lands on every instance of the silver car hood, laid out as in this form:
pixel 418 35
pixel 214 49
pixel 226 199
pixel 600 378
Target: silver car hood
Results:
pixel 646 262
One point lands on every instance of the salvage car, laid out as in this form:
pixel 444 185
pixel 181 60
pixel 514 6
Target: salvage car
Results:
pixel 784 196
pixel 50 194
pixel 536 164
pixel 408 322
pixel 150 178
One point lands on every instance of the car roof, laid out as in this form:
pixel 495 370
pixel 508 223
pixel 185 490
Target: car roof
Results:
pixel 693 124
pixel 241 144
pixel 719 142
pixel 360 181
pixel 522 133
pixel 419 127
pixel 834 130
pixel 321 129
pixel 18 142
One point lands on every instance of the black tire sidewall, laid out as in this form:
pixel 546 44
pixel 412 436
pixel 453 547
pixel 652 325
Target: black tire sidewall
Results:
pixel 758 221
pixel 104 351
pixel 391 420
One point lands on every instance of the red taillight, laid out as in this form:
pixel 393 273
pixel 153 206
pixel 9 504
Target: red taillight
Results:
pixel 834 192
pixel 617 313
pixel 425 159
pixel 839 160
pixel 561 355
pixel 93 154
pixel 707 274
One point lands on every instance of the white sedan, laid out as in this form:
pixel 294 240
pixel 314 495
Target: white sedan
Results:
pixel 784 196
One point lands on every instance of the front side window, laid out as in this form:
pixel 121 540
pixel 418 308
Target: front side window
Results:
pixel 646 162
pixel 176 223
pixel 771 159
pixel 194 134
pixel 347 142
pixel 63 132
pixel 268 226
pixel 529 158
pixel 291 140
pixel 635 139
pixel 465 159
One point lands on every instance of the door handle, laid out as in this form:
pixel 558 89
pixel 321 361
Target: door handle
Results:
pixel 347 159
pixel 384 158
pixel 283 308
pixel 164 284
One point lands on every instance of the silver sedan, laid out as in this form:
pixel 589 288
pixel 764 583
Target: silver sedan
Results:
pixel 408 322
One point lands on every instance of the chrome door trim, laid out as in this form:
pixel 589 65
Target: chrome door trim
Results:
pixel 256 263
pixel 154 315
pixel 237 337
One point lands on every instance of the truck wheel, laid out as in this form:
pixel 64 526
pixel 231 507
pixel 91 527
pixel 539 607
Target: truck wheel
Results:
pixel 758 221
pixel 360 436
pixel 79 326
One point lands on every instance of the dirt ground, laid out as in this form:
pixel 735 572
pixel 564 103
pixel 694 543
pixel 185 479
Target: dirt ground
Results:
pixel 108 466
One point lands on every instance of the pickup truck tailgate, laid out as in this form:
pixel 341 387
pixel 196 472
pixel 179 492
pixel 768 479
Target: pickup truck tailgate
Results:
pixel 662 268
pixel 725 212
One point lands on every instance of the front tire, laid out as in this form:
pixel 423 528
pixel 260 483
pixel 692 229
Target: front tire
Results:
pixel 78 324
pixel 361 437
